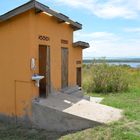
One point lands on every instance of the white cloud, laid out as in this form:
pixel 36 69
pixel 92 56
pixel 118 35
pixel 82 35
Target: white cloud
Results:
pixel 128 9
pixel 109 45
pixel 136 30
pixel 78 3
pixel 96 36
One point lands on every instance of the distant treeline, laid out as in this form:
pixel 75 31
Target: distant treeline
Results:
pixel 131 60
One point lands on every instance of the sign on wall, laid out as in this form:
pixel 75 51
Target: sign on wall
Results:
pixel 64 41
pixel 43 38
pixel 78 62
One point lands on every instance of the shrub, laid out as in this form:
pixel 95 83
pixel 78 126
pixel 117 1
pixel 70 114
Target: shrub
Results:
pixel 105 78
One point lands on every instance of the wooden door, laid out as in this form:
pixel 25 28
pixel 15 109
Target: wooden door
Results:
pixel 79 75
pixel 44 70
pixel 64 67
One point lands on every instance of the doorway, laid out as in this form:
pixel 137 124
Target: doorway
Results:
pixel 79 76
pixel 64 67
pixel 44 70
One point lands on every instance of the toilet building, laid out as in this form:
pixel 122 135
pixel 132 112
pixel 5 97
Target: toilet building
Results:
pixel 36 42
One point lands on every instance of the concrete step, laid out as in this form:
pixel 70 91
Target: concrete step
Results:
pixel 69 90
pixel 65 112
pixel 93 99
pixel 78 94
pixel 75 90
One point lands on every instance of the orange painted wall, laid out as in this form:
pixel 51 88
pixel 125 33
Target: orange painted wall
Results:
pixel 16 87
pixel 49 26
pixel 18 44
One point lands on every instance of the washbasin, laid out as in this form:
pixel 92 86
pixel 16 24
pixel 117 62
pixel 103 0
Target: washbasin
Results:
pixel 37 79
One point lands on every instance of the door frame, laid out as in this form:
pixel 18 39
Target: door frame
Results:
pixel 47 72
pixel 79 73
pixel 67 83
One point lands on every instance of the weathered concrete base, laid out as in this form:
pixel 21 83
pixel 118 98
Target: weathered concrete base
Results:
pixel 63 112
pixel 23 121
pixel 79 93
pixel 55 120
pixel 74 90
pixel 7 119
pixel 96 99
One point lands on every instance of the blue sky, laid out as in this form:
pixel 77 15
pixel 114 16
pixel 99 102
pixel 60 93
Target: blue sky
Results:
pixel 112 27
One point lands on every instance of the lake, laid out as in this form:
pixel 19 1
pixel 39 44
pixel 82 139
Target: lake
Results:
pixel 132 64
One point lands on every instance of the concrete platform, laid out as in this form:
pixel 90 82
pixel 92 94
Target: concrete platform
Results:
pixel 63 112
pixel 96 99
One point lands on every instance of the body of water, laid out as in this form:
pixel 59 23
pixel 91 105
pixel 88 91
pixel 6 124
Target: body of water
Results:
pixel 131 64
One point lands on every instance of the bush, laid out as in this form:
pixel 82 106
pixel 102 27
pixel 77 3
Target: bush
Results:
pixel 105 78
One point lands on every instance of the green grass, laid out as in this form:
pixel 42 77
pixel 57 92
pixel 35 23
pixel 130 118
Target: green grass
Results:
pixel 128 128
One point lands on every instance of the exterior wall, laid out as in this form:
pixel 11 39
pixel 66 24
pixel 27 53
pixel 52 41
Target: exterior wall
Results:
pixel 18 44
pixel 49 26
pixel 15 83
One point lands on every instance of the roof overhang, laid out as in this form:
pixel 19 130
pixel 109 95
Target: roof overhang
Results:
pixel 39 7
pixel 81 44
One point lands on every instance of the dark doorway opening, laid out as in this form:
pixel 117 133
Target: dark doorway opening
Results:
pixel 44 70
pixel 79 76
pixel 64 67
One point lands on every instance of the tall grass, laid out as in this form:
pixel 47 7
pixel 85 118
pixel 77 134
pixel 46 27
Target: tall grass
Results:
pixel 105 78
pixel 128 128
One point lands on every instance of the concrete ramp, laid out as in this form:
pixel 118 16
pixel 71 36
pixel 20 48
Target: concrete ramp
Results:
pixel 62 112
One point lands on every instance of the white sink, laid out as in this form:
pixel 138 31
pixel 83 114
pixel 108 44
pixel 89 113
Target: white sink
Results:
pixel 37 79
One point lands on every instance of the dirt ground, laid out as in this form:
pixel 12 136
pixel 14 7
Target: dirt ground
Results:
pixel 17 132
